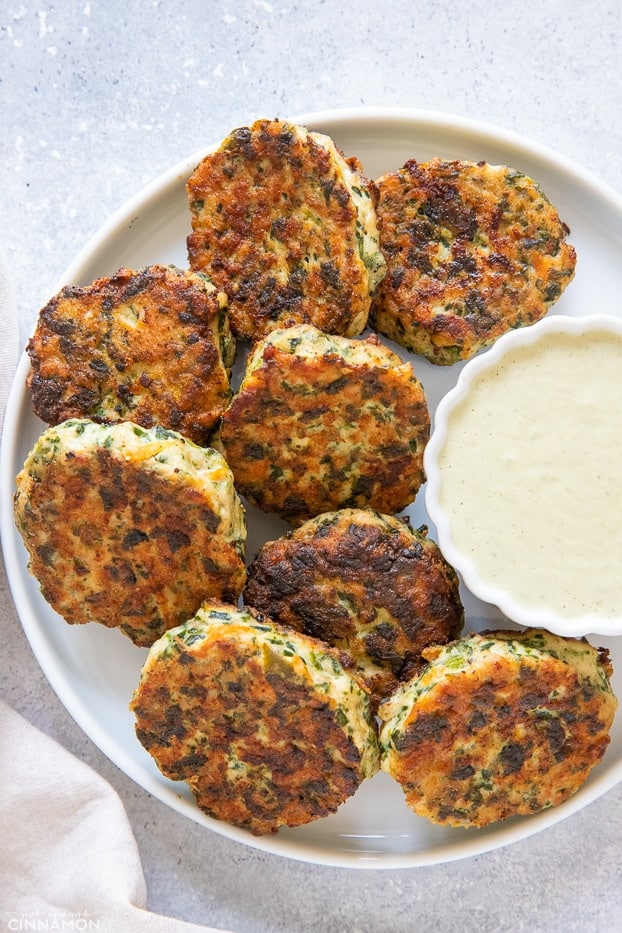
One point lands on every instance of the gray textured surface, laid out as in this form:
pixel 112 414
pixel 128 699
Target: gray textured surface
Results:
pixel 97 99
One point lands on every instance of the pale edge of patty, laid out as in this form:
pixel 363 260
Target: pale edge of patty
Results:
pixel 367 235
pixel 456 659
pixel 311 343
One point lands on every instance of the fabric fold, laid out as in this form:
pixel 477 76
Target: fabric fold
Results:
pixel 69 858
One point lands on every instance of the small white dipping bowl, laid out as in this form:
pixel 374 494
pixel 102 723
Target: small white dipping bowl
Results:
pixel 524 475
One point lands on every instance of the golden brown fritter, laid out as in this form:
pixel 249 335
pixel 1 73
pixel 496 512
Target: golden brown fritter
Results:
pixel 286 226
pixel 150 346
pixel 321 423
pixel 129 527
pixel 498 724
pixel 363 582
pixel 264 724
pixel 473 250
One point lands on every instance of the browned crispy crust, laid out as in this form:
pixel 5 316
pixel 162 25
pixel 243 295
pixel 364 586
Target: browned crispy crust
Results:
pixel 114 543
pixel 259 746
pixel 275 226
pixel 472 251
pixel 497 732
pixel 363 582
pixel 149 346
pixel 308 434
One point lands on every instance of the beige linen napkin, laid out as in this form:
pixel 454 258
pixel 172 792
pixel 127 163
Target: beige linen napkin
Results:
pixel 68 857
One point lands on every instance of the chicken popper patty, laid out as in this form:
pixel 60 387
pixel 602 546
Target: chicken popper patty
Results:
pixel 498 724
pixel 363 582
pixel 151 346
pixel 472 251
pixel 324 422
pixel 264 724
pixel 286 226
pixel 129 527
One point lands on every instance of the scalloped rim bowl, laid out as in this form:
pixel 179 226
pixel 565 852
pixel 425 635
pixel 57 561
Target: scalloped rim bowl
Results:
pixel 465 565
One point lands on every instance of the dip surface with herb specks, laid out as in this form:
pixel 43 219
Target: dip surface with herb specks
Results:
pixel 530 474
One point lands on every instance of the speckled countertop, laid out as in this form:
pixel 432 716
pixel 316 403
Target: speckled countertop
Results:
pixel 97 99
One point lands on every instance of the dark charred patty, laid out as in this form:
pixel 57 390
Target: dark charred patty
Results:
pixel 286 226
pixel 264 724
pixel 363 582
pixel 129 527
pixel 152 347
pixel 473 250
pixel 499 724
pixel 325 422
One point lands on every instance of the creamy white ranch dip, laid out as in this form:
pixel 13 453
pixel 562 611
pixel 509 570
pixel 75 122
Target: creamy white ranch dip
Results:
pixel 531 474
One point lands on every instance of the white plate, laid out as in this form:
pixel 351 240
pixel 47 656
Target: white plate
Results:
pixel 94 670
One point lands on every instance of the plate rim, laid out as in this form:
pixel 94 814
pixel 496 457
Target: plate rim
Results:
pixel 436 118
pixel 158 187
